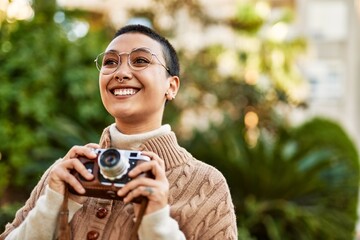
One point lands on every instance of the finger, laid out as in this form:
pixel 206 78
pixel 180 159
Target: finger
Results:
pixel 140 191
pixel 81 169
pixel 154 157
pixel 153 167
pixel 60 175
pixel 76 151
pixel 92 145
pixel 72 181
pixel 136 183
pixel 75 164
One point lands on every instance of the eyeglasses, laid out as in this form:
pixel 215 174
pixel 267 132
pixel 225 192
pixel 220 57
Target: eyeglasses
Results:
pixel 138 59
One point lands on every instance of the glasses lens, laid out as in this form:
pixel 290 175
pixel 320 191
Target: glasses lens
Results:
pixel 108 62
pixel 140 59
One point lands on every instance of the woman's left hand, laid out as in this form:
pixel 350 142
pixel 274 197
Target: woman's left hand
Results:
pixel 155 189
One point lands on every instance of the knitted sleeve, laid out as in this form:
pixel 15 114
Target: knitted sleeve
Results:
pixel 39 212
pixel 202 203
pixel 159 225
pixel 41 221
pixel 220 221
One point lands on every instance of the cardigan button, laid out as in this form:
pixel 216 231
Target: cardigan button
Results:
pixel 92 235
pixel 101 212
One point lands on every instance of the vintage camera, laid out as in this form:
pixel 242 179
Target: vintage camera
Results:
pixel 110 170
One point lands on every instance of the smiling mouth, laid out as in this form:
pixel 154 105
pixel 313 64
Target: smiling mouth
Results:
pixel 124 91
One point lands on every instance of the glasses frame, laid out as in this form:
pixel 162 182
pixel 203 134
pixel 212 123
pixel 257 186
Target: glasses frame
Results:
pixel 99 65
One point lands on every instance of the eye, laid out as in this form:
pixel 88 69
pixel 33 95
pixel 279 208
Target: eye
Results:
pixel 110 60
pixel 140 58
pixel 140 61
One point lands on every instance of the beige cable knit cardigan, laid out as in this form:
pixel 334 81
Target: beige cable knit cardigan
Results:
pixel 199 199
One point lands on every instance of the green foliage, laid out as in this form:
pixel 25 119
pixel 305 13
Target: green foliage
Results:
pixel 7 213
pixel 49 94
pixel 301 183
pixel 247 19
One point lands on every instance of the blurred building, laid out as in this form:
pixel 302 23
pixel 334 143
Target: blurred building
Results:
pixel 332 65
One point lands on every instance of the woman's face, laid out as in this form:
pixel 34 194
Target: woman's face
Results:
pixel 136 98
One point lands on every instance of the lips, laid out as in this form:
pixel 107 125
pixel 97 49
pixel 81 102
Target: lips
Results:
pixel 124 91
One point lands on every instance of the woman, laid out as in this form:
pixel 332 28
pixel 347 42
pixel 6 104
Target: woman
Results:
pixel 187 199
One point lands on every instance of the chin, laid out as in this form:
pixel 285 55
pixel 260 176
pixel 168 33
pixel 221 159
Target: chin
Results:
pixel 123 113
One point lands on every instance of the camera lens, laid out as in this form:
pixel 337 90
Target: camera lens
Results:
pixel 110 158
pixel 112 165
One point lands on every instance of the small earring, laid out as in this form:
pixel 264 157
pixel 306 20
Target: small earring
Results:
pixel 120 80
pixel 167 95
pixel 172 96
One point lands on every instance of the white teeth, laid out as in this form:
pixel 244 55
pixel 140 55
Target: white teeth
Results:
pixel 124 91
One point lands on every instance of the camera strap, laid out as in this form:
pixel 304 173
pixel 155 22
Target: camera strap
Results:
pixel 143 206
pixel 63 231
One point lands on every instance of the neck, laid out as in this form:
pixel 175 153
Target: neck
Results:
pixel 133 127
pixel 133 141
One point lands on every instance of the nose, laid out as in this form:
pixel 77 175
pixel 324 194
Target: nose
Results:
pixel 123 72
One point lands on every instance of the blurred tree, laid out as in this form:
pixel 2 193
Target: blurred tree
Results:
pixel 256 73
pixel 49 97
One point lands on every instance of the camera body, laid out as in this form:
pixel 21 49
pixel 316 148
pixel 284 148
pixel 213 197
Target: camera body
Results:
pixel 110 170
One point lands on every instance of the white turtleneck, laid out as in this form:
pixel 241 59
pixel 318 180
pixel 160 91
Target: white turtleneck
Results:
pixel 132 142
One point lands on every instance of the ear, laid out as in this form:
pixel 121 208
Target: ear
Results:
pixel 174 84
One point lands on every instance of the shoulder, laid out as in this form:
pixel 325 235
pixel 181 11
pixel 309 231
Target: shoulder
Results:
pixel 197 177
pixel 207 172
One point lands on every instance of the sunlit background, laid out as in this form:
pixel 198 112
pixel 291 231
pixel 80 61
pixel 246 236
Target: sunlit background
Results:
pixel 330 64
pixel 294 59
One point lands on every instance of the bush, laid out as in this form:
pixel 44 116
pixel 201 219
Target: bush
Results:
pixel 301 183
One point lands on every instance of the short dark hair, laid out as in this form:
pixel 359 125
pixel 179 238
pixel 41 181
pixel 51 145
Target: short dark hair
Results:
pixel 170 55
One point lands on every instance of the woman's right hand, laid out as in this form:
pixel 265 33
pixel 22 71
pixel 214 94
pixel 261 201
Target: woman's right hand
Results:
pixel 60 172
